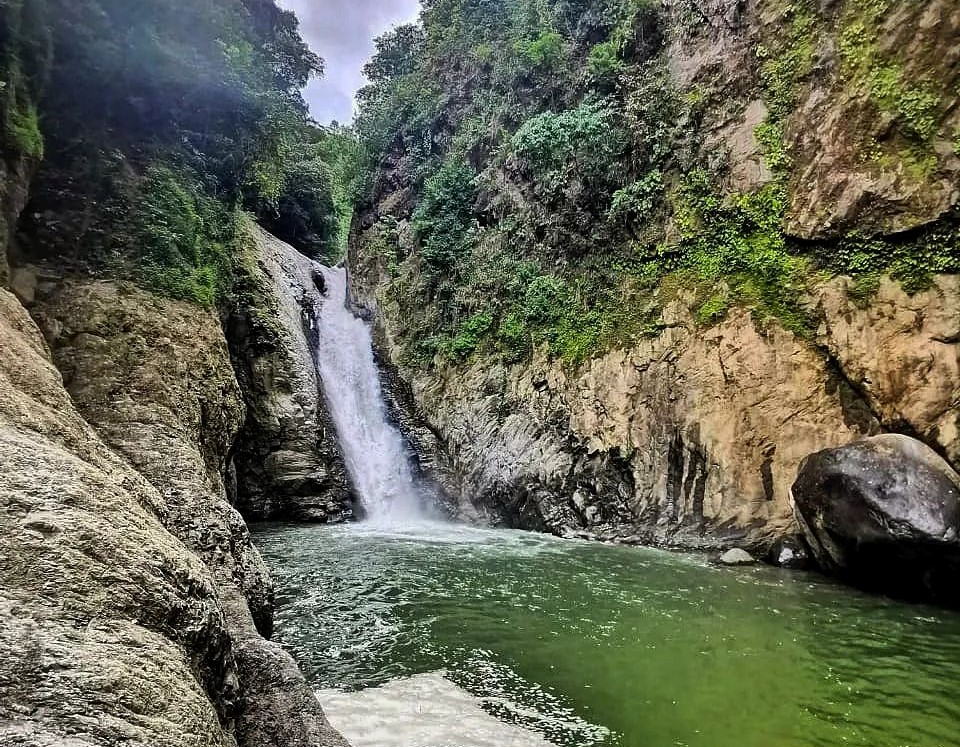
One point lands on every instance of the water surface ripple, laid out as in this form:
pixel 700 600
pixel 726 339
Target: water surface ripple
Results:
pixel 588 645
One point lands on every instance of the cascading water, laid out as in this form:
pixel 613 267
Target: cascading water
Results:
pixel 373 449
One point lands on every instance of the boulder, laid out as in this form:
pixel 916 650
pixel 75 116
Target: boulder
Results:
pixel 884 513
pixel 737 556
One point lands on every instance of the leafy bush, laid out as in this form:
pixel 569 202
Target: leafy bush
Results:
pixel 634 205
pixel 604 62
pixel 186 237
pixel 584 143
pixel 443 215
pixel 545 51
pixel 304 214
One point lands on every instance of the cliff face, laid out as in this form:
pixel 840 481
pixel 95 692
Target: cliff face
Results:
pixel 635 281
pixel 122 502
pixel 693 437
pixel 289 464
pixel 98 598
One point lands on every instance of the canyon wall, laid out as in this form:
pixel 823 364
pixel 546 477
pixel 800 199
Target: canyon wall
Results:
pixel 644 348
pixel 128 575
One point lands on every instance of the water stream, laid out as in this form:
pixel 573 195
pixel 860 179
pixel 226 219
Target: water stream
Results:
pixel 426 634
pixel 374 451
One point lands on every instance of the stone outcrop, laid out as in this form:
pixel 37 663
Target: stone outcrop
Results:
pixel 111 628
pixel 692 437
pixel 289 464
pixel 884 513
pixel 127 570
pixel 902 353
pixel 857 162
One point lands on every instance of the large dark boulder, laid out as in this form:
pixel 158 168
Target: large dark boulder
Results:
pixel 884 514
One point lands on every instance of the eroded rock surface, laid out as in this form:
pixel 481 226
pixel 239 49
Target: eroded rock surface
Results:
pixel 154 378
pixel 288 459
pixel 884 513
pixel 110 629
pixel 692 437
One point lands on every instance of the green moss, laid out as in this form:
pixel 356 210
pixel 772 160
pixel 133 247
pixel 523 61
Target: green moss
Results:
pixel 23 130
pixel 469 336
pixel 918 105
pixel 785 65
pixel 912 259
pixel 713 309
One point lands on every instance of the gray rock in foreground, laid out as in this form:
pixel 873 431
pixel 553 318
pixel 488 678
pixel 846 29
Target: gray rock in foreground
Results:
pixel 132 601
pixel 884 513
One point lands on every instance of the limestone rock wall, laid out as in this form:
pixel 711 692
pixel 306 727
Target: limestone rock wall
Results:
pixel 111 628
pixel 693 437
pixel 288 458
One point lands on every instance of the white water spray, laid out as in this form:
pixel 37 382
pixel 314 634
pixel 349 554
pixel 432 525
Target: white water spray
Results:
pixel 373 449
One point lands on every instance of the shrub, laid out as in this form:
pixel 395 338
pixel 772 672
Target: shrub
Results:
pixel 634 204
pixel 581 143
pixel 545 51
pixel 603 62
pixel 442 218
pixel 185 237
pixel 305 214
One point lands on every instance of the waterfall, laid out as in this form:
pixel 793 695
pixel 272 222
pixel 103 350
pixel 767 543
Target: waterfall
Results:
pixel 373 449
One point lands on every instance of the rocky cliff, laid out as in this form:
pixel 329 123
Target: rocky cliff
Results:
pixel 288 461
pixel 131 578
pixel 635 261
pixel 693 437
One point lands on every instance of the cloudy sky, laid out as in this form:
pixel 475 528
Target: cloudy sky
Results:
pixel 342 32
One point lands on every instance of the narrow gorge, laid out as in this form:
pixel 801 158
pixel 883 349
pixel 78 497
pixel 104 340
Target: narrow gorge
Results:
pixel 597 386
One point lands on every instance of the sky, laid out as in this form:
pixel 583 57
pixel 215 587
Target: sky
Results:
pixel 342 32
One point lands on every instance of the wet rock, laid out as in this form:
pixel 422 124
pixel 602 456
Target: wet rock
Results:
pixel 789 552
pixel 288 460
pixel 737 556
pixel 884 513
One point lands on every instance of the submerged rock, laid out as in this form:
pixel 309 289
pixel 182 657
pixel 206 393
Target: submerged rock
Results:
pixel 884 513
pixel 737 556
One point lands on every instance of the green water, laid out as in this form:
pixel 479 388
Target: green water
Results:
pixel 589 645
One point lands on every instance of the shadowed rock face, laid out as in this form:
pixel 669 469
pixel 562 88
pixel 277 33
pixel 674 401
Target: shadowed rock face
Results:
pixel 289 464
pixel 884 513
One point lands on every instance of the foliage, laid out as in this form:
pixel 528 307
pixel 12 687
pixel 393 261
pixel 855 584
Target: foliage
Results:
pixel 544 51
pixel 160 120
pixel 185 237
pixel 561 189
pixel 304 213
pixel 633 206
pixel 442 218
pixel 581 142
pixel 604 61
pixel 24 66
